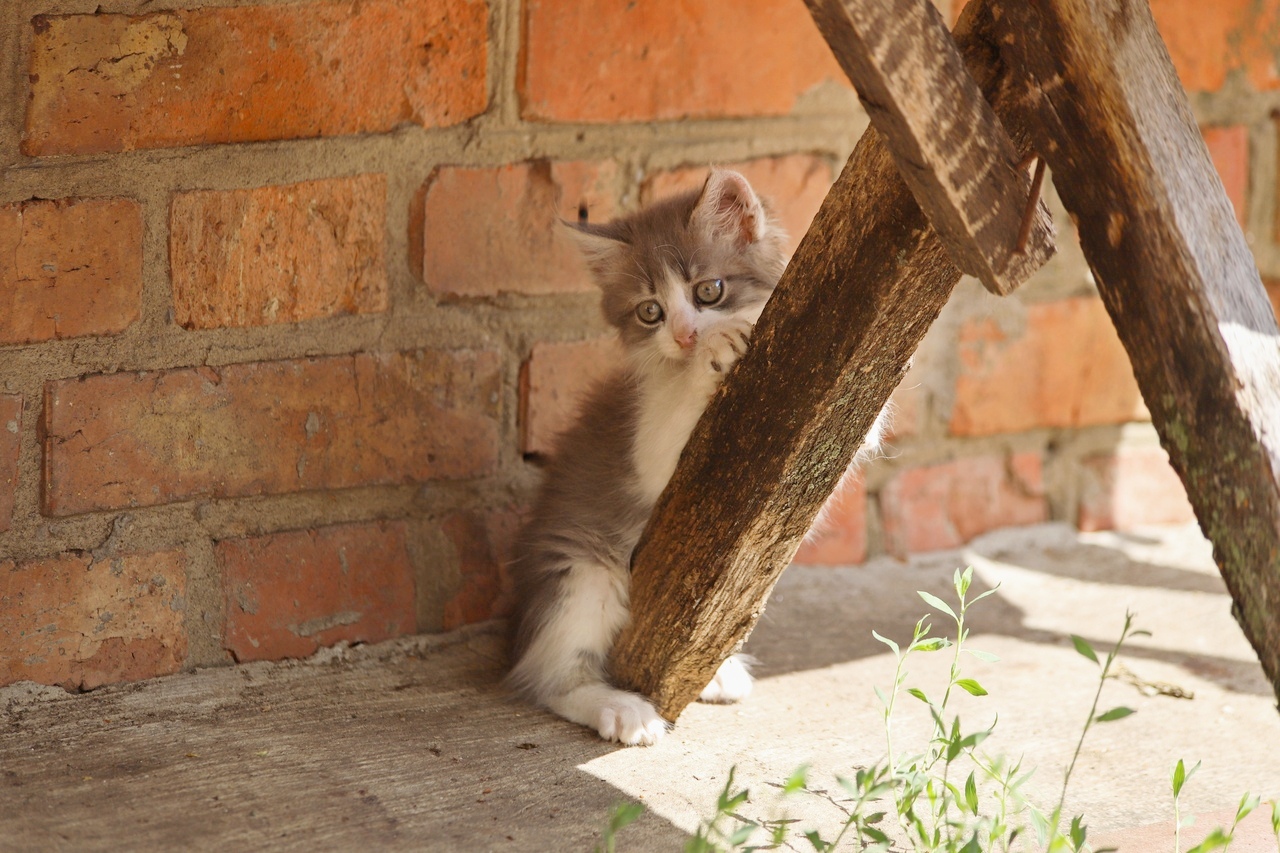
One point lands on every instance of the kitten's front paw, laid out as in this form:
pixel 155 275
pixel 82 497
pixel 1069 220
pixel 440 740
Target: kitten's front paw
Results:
pixel 631 721
pixel 726 345
pixel 731 684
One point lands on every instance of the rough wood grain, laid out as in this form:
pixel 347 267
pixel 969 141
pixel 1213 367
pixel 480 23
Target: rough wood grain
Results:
pixel 948 144
pixel 1173 269
pixel 862 289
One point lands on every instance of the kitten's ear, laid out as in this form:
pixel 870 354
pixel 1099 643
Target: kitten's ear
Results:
pixel 599 244
pixel 729 208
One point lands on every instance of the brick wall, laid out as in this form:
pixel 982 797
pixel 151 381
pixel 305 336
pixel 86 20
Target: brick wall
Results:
pixel 285 323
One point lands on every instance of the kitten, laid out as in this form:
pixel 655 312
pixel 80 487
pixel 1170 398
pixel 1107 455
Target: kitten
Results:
pixel 683 282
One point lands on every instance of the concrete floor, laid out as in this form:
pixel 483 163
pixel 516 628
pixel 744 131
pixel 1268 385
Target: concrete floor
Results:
pixel 413 745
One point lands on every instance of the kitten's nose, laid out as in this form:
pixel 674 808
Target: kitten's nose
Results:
pixel 686 338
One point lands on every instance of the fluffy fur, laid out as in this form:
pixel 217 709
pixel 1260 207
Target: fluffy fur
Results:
pixel 683 282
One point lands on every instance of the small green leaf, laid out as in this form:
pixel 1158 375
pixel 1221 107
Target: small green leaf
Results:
pixel 936 603
pixel 740 837
pixel 1078 832
pixel 971 794
pixel 850 788
pixel 973 688
pixel 1247 804
pixel 1215 840
pixel 984 656
pixel 1179 777
pixel 919 694
pixel 890 643
pixel 1083 647
pixel 991 591
pixel 1117 713
pixel 816 840
pixel 797 781
pixel 932 644
pixel 884 700
pixel 624 814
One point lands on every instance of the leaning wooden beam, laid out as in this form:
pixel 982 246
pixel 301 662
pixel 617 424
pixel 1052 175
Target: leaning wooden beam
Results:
pixel 1173 269
pixel 864 286
pixel 947 142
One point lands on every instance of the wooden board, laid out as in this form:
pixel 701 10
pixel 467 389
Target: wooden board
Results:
pixel 948 144
pixel 1173 269
pixel 864 286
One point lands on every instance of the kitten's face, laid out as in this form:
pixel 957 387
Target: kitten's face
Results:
pixel 677 271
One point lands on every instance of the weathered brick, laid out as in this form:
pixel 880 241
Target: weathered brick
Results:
pixel 946 505
pixel 69 268
pixel 1132 487
pixel 1229 149
pixel 10 441
pixel 616 60
pixel 1067 368
pixel 794 184
pixel 553 382
pixel 81 622
pixel 250 73
pixel 269 428
pixel 483 544
pixel 841 538
pixel 1210 41
pixel 486 231
pixel 279 254
pixel 288 594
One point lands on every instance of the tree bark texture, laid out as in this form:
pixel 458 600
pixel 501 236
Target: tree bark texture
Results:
pixel 864 286
pixel 948 144
pixel 1172 267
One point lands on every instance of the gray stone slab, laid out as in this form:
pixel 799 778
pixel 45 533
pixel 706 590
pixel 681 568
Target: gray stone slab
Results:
pixel 414 745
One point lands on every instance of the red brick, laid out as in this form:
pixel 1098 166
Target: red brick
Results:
pixel 946 505
pixel 1229 149
pixel 496 230
pixel 288 594
pixel 794 184
pixel 279 254
pixel 198 76
pixel 1210 41
pixel 1130 488
pixel 10 441
pixel 269 428
pixel 617 60
pixel 840 539
pixel 81 622
pixel 1067 368
pixel 69 268
pixel 483 545
pixel 553 382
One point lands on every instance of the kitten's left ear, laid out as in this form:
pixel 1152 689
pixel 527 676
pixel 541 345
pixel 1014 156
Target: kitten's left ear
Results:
pixel 599 244
pixel 729 208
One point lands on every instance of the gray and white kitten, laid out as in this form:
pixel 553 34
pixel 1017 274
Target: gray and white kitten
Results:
pixel 683 282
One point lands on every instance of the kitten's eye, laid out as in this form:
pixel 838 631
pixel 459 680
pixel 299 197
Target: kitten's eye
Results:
pixel 650 313
pixel 709 292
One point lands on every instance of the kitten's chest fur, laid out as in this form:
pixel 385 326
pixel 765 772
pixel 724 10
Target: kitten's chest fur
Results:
pixel 669 408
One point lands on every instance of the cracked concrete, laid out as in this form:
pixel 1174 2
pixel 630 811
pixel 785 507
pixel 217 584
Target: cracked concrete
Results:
pixel 414 745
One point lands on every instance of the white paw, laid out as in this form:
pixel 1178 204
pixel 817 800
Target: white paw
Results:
pixel 726 345
pixel 631 721
pixel 731 684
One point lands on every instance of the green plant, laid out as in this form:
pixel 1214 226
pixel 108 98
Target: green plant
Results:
pixel 946 796
pixel 622 816
pixel 1218 838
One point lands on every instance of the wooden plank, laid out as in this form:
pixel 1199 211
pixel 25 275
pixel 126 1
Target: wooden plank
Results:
pixel 864 286
pixel 1173 269
pixel 951 149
